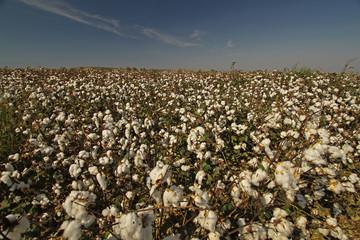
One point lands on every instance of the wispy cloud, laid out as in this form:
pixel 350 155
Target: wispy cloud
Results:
pixel 197 34
pixel 229 44
pixel 64 9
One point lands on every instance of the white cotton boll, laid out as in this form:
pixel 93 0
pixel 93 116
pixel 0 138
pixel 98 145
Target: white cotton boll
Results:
pixel 331 221
pixel 301 223
pixel 214 236
pixel 347 148
pixel 336 186
pixel 207 219
pixel 75 170
pixel 161 173
pixel 266 143
pixel 280 229
pixel 123 167
pixel 130 228
pixel 106 212
pixel 267 198
pixel 47 150
pixel 5 178
pixel 313 156
pixel 253 162
pixel 338 233
pixel 349 187
pixel 353 178
pixel 324 135
pixel 287 177
pixel 323 231
pixel 105 160
pixel 100 177
pixel 245 186
pixel 252 232
pixel 185 168
pixel 9 167
pixel 73 231
pixel 279 213
pixel 173 196
pixel 42 199
pixel 93 170
pixel 258 176
pixel 200 177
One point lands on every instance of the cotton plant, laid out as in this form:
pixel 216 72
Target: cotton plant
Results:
pixel 17 225
pixel 89 129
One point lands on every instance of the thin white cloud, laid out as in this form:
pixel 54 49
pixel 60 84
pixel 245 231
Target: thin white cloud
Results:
pixel 229 44
pixel 64 9
pixel 197 34
pixel 154 34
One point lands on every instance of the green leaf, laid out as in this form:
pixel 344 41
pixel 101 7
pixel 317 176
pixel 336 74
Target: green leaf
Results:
pixel 205 166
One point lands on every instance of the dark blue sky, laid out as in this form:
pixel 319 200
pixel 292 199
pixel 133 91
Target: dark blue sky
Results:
pixel 259 34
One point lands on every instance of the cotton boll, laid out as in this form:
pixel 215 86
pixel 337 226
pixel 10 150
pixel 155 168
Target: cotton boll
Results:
pixel 267 198
pixel 301 223
pixel 349 187
pixel 313 156
pixel 214 236
pixel 258 176
pixel 75 170
pixel 21 226
pixel 129 227
pixel 100 177
pixel 5 178
pixel 336 186
pixel 245 186
pixel 173 196
pixel 338 233
pixel 331 221
pixel 93 170
pixel 207 219
pixel 353 178
pixel 73 231
pixel 200 176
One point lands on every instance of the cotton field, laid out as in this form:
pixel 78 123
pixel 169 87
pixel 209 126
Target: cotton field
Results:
pixel 149 154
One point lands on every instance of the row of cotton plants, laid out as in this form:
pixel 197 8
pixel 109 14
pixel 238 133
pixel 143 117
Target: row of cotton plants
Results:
pixel 127 154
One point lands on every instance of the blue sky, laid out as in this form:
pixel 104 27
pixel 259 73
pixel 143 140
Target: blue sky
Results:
pixel 258 34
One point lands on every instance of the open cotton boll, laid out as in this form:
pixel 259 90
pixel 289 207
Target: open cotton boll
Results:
pixel 266 143
pixel 253 231
pixel 100 177
pixel 5 178
pixel 75 170
pixel 207 219
pixel 280 227
pixel 200 177
pixel 338 233
pixel 173 196
pixel 73 231
pixel 336 186
pixel 258 176
pixel 161 173
pixel 288 178
pixel 314 156
pixel 75 204
pixel 22 224
pixel 301 223
pixel 130 227
pixel 267 198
